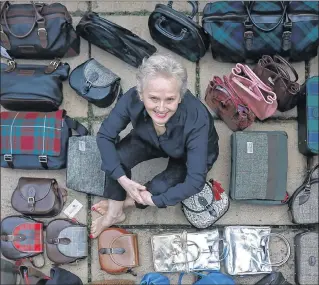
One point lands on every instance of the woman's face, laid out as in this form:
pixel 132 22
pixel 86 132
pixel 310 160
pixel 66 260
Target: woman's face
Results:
pixel 161 96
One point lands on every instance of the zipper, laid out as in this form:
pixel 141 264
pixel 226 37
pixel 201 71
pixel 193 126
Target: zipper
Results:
pixel 185 22
pixel 29 100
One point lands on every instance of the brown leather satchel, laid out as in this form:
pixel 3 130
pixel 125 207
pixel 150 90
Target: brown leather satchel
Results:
pixel 223 100
pixel 118 251
pixel 275 72
pixel 38 197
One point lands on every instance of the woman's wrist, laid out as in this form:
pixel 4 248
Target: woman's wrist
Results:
pixel 122 179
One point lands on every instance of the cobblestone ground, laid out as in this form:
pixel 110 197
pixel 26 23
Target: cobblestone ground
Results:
pixel 133 15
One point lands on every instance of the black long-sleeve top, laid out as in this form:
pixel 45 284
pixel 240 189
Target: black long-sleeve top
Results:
pixel 190 134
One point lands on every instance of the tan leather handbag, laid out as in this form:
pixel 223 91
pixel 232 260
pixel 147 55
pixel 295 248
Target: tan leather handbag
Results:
pixel 38 197
pixel 118 251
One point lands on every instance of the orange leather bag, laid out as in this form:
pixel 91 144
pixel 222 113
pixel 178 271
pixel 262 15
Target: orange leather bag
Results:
pixel 118 251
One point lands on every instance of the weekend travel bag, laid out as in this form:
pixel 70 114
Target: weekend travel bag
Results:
pixel 178 32
pixel 246 30
pixel 37 31
pixel 306 258
pixel 304 204
pixel 32 140
pixel 308 117
pixel 259 167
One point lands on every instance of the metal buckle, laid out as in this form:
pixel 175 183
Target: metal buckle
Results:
pixel 288 25
pixel 43 158
pixel 30 200
pixel 7 157
pixel 56 240
pixel 55 63
pixel 42 29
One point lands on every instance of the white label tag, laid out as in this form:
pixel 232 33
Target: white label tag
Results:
pixel 4 53
pixel 82 145
pixel 73 209
pixel 250 147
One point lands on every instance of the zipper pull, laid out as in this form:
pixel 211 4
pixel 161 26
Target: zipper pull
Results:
pixel 54 64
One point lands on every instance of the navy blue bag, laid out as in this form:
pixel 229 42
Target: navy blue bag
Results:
pixel 154 279
pixel 246 30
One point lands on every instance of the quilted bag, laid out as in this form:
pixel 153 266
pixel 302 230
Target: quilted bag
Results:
pixel 95 83
pixel 303 204
pixel 66 241
pixel 205 208
pixel 178 32
pixel 246 30
pixel 308 117
pixel 32 140
pixel 21 237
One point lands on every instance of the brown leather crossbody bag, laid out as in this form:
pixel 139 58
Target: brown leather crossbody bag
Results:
pixel 118 251
pixel 38 197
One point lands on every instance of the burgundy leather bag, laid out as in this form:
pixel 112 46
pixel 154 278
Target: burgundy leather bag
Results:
pixel 275 72
pixel 224 102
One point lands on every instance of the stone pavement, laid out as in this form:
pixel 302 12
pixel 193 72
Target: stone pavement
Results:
pixel 133 15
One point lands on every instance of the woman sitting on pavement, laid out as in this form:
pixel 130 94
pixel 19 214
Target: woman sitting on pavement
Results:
pixel 168 121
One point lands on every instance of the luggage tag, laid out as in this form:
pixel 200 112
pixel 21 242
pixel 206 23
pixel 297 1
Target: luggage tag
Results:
pixel 73 209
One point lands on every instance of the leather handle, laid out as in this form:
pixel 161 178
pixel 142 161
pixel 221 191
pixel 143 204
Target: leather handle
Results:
pixel 281 60
pixel 160 28
pixel 194 5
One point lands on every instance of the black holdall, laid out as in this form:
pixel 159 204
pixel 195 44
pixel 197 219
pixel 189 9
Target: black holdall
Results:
pixel 178 32
pixel 114 39
pixel 95 83
pixel 31 87
pixel 36 140
pixel 37 31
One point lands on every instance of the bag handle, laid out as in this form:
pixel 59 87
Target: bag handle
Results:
pixel 38 19
pixel 189 243
pixel 250 19
pixel 194 7
pixel 160 28
pixel 77 126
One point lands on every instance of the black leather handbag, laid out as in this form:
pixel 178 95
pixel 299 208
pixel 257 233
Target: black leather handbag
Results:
pixel 30 87
pixel 114 39
pixel 37 31
pixel 178 32
pixel 95 83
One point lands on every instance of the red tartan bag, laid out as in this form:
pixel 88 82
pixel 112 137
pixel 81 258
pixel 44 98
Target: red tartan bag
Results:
pixel 36 140
pixel 21 237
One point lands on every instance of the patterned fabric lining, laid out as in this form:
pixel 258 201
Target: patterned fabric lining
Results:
pixel 33 233
pixel 31 133
pixel 312 113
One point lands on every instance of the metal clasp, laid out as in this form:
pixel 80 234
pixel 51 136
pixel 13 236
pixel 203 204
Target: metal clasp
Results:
pixel 42 30
pixel 7 157
pixel 31 200
pixel 43 158
pixel 55 63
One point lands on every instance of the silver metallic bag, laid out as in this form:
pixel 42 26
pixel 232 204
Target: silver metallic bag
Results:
pixel 186 252
pixel 249 250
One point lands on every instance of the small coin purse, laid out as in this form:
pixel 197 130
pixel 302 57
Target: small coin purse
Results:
pixel 95 83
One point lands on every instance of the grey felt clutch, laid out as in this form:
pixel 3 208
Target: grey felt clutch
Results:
pixel 84 172
pixel 259 167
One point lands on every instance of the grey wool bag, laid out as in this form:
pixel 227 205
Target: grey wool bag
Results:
pixel 83 172
pixel 259 167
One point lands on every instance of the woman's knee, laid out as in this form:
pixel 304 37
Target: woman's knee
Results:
pixel 156 186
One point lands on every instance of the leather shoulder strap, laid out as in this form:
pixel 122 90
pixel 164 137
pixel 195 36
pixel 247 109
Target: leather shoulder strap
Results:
pixel 75 125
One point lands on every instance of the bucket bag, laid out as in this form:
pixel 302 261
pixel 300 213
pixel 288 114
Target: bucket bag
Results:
pixel 178 32
pixel 37 31
pixel 246 30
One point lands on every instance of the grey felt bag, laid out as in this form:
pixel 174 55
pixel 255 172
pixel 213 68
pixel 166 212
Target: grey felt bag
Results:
pixel 83 171
pixel 259 167
pixel 306 258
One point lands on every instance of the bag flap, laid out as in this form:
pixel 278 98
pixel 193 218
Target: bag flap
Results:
pixel 33 133
pixel 200 201
pixel 37 188
pixel 98 75
pixel 31 237
pixel 74 241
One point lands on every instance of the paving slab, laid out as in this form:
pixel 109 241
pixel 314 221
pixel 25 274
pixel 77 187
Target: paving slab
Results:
pixel 277 251
pixel 210 67
pixel 108 6
pixel 139 26
pixel 314 68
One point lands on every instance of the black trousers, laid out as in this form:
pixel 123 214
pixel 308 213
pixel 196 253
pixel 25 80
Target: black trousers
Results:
pixel 132 151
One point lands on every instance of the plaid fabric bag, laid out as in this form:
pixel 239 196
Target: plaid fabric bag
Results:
pixel 34 140
pixel 246 30
pixel 21 237
pixel 308 117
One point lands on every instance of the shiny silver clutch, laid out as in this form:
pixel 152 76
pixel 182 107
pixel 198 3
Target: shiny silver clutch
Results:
pixel 249 250
pixel 185 252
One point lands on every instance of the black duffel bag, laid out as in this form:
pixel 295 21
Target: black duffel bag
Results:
pixel 36 140
pixel 30 87
pixel 241 31
pixel 114 39
pixel 37 31
pixel 178 32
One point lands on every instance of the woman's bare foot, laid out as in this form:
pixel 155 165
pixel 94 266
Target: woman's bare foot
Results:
pixel 101 207
pixel 104 222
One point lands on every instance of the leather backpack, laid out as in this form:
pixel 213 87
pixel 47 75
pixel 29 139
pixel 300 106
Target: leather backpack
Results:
pixel 38 197
pixel 118 251
pixel 66 241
